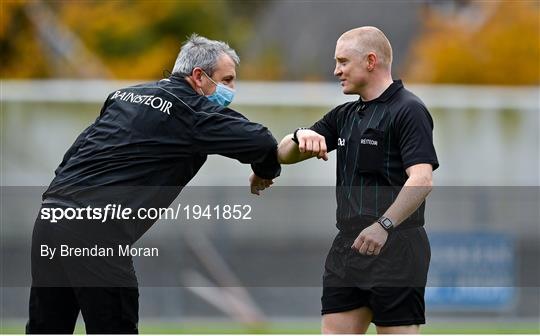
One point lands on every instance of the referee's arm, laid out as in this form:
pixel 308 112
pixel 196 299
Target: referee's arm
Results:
pixel 310 144
pixel 413 193
pixel 415 190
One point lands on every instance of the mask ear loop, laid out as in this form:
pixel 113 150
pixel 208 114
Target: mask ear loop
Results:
pixel 225 86
pixel 204 72
pixel 210 78
pixel 202 92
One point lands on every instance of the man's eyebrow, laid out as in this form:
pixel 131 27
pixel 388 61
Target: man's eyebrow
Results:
pixel 340 58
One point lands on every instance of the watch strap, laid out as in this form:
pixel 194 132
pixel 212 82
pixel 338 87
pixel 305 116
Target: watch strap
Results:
pixel 295 137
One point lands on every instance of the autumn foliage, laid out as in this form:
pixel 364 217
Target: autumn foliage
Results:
pixel 132 39
pixel 480 42
pixel 489 42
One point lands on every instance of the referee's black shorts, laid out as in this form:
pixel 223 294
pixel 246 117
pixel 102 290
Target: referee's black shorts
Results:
pixel 391 284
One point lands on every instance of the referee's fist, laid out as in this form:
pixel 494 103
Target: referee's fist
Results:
pixel 312 143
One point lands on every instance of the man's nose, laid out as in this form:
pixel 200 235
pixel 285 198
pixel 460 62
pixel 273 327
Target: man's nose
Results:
pixel 337 71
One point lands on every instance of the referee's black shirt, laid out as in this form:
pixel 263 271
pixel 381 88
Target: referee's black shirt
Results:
pixel 148 142
pixel 376 141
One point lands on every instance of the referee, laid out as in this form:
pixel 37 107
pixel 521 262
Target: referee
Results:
pixel 376 269
pixel 146 144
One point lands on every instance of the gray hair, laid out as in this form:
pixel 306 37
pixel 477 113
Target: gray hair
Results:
pixel 198 51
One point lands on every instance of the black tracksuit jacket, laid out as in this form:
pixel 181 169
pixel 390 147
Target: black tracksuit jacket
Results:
pixel 148 142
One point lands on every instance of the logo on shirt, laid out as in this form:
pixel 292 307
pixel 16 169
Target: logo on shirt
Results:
pixel 369 142
pixel 341 142
pixel 157 103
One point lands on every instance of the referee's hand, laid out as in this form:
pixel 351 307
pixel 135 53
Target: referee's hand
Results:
pixel 312 143
pixel 371 240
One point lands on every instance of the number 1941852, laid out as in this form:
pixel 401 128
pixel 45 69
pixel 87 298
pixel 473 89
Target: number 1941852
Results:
pixel 226 211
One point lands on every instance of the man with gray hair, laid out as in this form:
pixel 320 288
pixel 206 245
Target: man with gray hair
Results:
pixel 201 57
pixel 147 143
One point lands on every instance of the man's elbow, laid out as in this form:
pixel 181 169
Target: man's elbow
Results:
pixel 420 175
pixel 266 143
pixel 426 181
pixel 422 181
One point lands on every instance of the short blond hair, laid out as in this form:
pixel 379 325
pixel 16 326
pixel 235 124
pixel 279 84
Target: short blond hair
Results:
pixel 370 39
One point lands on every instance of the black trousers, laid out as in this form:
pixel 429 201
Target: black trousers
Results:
pixel 106 310
pixel 104 290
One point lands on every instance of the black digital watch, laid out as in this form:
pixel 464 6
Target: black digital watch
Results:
pixel 386 223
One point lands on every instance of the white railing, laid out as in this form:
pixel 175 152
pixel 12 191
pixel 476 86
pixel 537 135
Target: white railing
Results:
pixel 282 93
pixel 484 135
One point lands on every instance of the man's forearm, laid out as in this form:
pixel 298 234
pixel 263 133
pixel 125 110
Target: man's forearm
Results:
pixel 288 152
pixel 310 144
pixel 411 196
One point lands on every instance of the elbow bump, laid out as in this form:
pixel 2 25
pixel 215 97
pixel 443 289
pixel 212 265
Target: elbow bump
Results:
pixel 267 143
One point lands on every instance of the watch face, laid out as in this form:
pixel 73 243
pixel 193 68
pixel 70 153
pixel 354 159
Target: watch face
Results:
pixel 387 223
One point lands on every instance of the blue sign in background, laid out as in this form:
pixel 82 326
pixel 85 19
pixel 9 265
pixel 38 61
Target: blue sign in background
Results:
pixel 471 271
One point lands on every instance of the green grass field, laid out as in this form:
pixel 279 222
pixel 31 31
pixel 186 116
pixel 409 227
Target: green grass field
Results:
pixel 11 327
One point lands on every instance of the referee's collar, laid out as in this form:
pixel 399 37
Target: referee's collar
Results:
pixel 387 94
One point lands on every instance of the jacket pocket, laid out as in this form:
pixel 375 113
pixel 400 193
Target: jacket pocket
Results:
pixel 370 151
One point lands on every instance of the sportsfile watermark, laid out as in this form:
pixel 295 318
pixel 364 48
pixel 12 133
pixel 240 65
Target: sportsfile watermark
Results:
pixel 285 240
pixel 119 212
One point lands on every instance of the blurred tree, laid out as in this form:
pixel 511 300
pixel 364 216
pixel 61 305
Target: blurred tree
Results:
pixel 268 66
pixel 133 39
pixel 491 42
pixel 19 50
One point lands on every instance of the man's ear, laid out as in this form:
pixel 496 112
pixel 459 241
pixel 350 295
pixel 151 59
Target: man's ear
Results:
pixel 197 75
pixel 371 61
